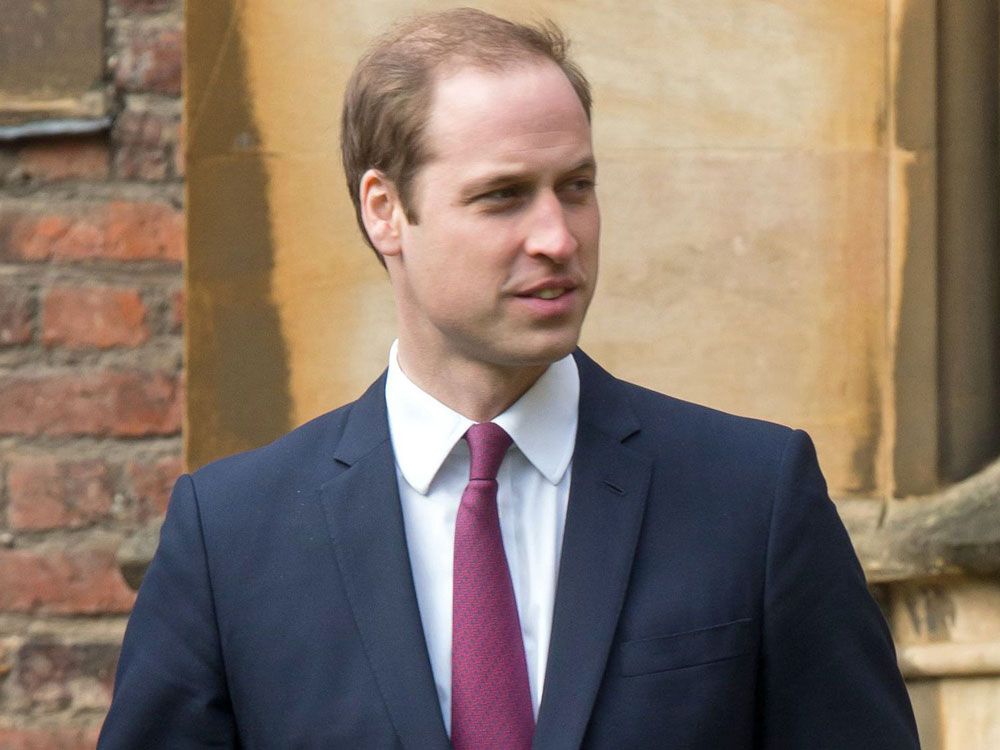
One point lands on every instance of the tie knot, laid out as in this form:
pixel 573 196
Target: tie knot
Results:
pixel 487 445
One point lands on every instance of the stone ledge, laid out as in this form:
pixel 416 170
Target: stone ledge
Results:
pixel 953 532
pixel 937 660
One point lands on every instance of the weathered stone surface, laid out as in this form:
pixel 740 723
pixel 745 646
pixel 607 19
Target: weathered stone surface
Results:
pixel 957 714
pixel 741 150
pixel 951 533
pixel 751 282
pixel 53 60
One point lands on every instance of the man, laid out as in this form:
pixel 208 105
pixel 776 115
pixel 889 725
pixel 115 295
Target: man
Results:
pixel 499 545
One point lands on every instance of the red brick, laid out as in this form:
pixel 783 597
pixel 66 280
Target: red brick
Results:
pixel 151 483
pixel 150 60
pixel 120 230
pixel 145 230
pixel 63 159
pixel 101 317
pixel 53 676
pixel 62 582
pixel 45 493
pixel 29 236
pixel 127 404
pixel 146 163
pixel 48 739
pixel 145 143
pixel 16 306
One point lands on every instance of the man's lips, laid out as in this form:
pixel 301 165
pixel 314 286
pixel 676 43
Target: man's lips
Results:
pixel 548 289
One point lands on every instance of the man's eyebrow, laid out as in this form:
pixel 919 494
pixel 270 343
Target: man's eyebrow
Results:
pixel 503 179
pixel 587 165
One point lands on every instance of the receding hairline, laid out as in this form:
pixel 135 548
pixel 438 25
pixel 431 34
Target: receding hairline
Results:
pixel 457 67
pixel 429 33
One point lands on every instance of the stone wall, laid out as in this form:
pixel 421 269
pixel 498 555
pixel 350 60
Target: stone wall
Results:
pixel 91 383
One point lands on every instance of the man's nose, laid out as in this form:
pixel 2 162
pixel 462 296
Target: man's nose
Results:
pixel 549 233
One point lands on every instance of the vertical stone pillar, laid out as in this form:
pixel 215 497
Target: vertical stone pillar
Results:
pixel 943 261
pixel 969 250
pixel 911 407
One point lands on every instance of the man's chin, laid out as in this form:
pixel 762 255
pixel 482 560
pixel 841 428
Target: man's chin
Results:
pixel 542 353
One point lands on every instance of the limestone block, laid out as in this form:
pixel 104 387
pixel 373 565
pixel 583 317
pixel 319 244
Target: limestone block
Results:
pixel 751 281
pixel 957 714
pixel 946 610
pixel 721 74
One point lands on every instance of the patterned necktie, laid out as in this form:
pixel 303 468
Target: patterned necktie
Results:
pixel 490 696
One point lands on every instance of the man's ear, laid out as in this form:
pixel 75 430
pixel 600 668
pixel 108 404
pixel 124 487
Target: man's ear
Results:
pixel 381 211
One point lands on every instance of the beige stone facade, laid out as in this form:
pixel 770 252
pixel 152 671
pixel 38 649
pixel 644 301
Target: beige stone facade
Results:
pixel 800 224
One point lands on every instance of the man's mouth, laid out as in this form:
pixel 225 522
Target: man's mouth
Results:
pixel 548 289
pixel 552 293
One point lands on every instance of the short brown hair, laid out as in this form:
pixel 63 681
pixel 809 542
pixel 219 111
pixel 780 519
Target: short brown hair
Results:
pixel 388 96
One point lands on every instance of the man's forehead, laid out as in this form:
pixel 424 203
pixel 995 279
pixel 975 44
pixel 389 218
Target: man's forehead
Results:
pixel 480 86
pixel 522 110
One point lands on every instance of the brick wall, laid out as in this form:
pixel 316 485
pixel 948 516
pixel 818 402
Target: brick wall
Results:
pixel 91 381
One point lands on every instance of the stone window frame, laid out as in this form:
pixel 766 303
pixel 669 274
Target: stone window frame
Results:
pixel 53 69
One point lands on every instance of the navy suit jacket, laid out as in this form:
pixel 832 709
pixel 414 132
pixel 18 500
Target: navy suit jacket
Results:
pixel 708 597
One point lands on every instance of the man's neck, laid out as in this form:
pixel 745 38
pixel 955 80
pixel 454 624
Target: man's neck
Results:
pixel 477 391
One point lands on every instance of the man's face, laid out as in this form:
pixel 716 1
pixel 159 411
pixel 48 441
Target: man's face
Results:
pixel 501 266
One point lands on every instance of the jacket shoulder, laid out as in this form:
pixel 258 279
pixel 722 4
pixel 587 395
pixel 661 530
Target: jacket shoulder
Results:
pixel 658 422
pixel 660 412
pixel 302 459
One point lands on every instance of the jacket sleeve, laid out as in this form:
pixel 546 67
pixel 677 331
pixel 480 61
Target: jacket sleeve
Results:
pixel 170 688
pixel 829 677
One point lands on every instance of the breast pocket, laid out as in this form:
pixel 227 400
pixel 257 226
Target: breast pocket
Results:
pixel 687 649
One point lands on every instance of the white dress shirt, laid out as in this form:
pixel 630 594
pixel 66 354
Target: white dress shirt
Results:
pixel 432 469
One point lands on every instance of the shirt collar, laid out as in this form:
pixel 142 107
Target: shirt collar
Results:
pixel 542 423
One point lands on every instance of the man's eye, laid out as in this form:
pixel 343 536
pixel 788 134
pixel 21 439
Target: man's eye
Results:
pixel 502 194
pixel 578 188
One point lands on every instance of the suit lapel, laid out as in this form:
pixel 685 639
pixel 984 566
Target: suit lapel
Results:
pixel 608 492
pixel 366 523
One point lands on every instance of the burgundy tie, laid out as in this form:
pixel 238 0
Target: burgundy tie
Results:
pixel 490 696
